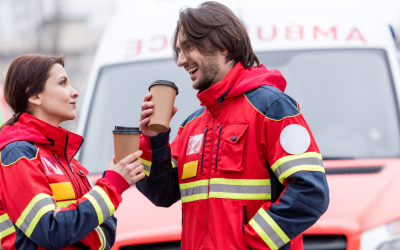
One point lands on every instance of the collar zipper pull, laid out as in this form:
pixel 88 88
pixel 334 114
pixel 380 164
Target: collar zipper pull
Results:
pixel 69 164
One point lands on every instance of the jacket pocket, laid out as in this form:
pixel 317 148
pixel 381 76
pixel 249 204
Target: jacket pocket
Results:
pixel 234 138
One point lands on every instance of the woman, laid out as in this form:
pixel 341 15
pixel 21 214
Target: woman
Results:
pixel 38 169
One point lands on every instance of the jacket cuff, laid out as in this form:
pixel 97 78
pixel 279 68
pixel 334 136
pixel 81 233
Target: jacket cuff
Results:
pixel 160 140
pixel 116 180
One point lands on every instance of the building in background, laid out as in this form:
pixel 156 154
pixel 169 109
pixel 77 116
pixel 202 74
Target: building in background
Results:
pixel 70 27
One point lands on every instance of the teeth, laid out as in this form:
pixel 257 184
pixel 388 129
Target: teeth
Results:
pixel 192 69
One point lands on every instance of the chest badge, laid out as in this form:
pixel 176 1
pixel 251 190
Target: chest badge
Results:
pixel 194 144
pixel 50 167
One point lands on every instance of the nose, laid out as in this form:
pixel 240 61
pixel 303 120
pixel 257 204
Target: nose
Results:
pixel 74 93
pixel 182 60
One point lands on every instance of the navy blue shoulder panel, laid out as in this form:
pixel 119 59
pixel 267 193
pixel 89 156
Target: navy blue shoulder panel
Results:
pixel 14 151
pixel 193 116
pixel 272 103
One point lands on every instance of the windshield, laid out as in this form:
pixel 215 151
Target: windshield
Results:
pixel 346 97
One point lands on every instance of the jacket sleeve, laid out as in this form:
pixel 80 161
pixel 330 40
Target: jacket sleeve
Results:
pixel 295 166
pixel 161 184
pixel 27 195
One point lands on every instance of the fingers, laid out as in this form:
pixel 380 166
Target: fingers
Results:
pixel 146 105
pixel 131 158
pixel 111 161
pixel 138 177
pixel 138 168
pixel 147 97
pixel 174 110
pixel 144 124
pixel 57 208
pixel 145 114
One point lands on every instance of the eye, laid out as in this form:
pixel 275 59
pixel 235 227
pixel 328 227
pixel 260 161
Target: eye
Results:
pixel 63 83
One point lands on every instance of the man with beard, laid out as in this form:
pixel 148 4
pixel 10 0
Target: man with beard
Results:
pixel 245 164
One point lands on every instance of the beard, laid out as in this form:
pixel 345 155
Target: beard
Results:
pixel 209 69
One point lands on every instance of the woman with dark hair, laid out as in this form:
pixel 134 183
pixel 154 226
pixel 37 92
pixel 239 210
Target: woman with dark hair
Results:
pixel 46 201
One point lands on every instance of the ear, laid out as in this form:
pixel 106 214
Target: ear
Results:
pixel 35 100
pixel 224 52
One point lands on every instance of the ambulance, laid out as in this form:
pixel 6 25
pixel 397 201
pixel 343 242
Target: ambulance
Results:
pixel 341 66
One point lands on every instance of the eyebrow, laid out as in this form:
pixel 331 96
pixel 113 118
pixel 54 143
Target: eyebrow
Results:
pixel 66 78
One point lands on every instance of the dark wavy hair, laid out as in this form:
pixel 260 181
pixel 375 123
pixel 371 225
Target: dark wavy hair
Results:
pixel 211 27
pixel 26 76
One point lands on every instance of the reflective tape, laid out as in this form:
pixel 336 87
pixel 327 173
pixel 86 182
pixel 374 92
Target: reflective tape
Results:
pixel 147 166
pixel 101 203
pixel 6 226
pixel 193 191
pixel 174 163
pixel 64 204
pixel 39 205
pixel 242 189
pixel 291 164
pixel 268 230
pixel 102 238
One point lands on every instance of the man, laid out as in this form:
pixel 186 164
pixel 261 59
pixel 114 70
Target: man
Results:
pixel 245 165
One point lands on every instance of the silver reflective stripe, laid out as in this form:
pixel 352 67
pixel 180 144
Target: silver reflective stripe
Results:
pixel 175 162
pixel 103 240
pixel 194 190
pixel 6 225
pixel 297 162
pixel 35 209
pixel 146 167
pixel 240 189
pixel 102 203
pixel 268 230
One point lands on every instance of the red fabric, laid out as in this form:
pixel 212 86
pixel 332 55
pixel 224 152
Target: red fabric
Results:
pixel 29 177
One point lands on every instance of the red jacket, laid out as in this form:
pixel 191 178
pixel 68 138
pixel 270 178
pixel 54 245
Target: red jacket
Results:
pixel 37 163
pixel 245 166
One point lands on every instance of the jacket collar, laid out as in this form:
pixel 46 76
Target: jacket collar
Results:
pixel 60 141
pixel 213 97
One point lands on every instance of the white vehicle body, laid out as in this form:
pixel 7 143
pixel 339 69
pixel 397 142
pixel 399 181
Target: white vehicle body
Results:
pixel 142 33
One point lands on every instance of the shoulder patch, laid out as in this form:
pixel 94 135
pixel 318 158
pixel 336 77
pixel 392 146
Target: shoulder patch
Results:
pixel 193 116
pixel 17 150
pixel 272 103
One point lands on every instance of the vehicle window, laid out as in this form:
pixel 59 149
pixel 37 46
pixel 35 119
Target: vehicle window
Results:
pixel 346 97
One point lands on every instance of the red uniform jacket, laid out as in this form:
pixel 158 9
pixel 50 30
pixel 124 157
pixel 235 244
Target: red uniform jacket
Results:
pixel 37 163
pixel 245 166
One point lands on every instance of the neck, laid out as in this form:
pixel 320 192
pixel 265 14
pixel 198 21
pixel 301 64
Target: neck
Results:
pixel 47 118
pixel 224 70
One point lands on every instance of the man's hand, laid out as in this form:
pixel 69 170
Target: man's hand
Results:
pixel 129 167
pixel 147 109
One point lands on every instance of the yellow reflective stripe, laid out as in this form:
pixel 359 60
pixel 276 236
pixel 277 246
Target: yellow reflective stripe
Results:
pixel 263 235
pixel 101 237
pixel 294 157
pixel 64 204
pixel 193 184
pixel 4 217
pixel 147 173
pixel 173 164
pixel 101 203
pixel 247 182
pixel 39 205
pixel 274 226
pixel 195 197
pixel 37 152
pixel 293 170
pixel 234 196
pixel 6 226
pixel 148 163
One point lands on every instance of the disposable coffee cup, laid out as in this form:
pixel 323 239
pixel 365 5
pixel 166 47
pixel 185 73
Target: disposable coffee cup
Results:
pixel 163 96
pixel 126 141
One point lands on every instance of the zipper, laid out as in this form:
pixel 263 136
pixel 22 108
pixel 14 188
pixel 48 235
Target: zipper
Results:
pixel 209 177
pixel 73 173
pixel 204 145
pixel 59 162
pixel 219 138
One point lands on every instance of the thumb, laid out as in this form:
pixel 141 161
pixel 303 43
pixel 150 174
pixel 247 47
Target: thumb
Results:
pixel 111 161
pixel 174 110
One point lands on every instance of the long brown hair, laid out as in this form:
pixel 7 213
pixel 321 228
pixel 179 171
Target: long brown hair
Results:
pixel 26 77
pixel 211 27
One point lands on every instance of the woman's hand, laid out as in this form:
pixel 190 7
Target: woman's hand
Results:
pixel 147 109
pixel 129 167
pixel 57 208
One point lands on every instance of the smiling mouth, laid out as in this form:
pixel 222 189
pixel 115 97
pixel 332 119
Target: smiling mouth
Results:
pixel 193 70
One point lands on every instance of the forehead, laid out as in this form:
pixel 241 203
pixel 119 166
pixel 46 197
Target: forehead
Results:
pixel 57 70
pixel 181 40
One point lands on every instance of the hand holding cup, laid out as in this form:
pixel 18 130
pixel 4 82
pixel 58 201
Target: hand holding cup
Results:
pixel 147 110
pixel 129 167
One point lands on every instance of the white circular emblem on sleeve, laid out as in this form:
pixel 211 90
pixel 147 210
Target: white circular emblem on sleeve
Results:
pixel 295 139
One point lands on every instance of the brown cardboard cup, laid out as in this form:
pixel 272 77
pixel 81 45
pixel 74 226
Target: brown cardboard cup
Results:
pixel 163 96
pixel 126 141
